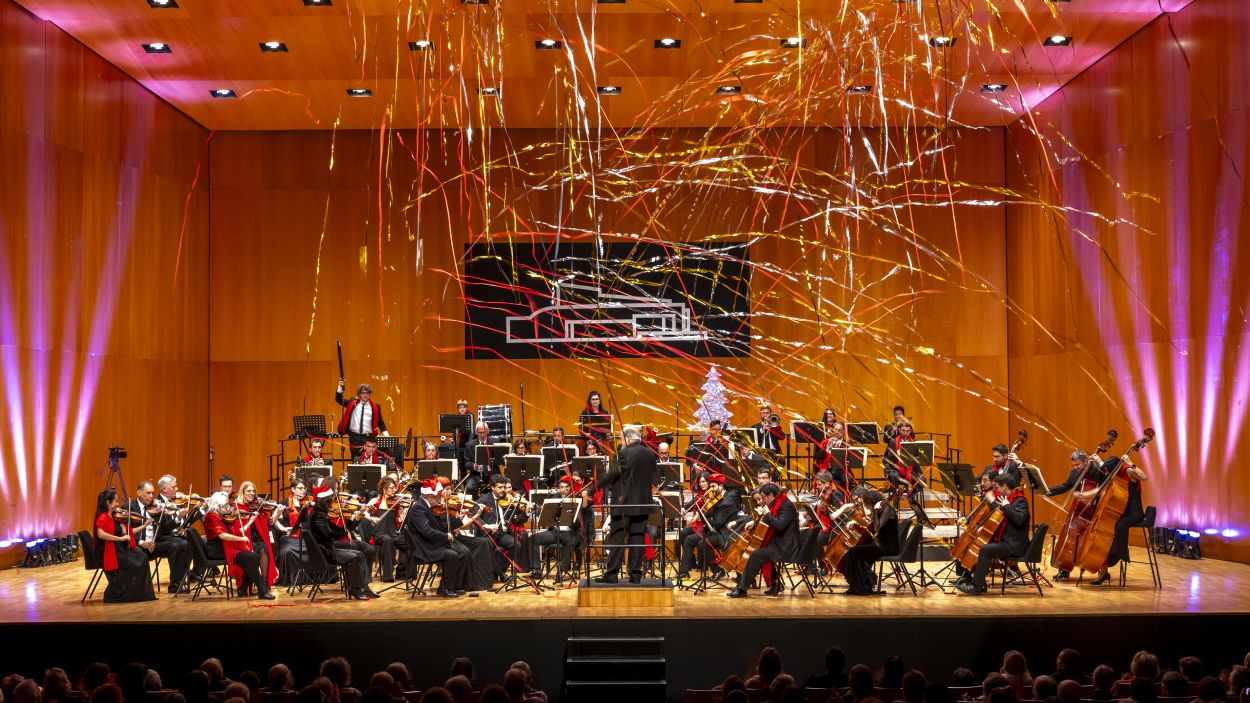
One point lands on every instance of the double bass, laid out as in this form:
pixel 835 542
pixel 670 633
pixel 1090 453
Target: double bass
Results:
pixel 982 524
pixel 1110 502
pixel 1078 512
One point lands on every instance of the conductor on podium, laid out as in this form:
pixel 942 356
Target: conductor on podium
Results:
pixel 630 497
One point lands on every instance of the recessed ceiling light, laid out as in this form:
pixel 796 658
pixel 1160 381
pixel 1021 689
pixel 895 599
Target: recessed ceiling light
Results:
pixel 609 90
pixel 273 47
pixel 993 87
pixel 941 41
pixel 859 89
pixel 359 93
pixel 222 93
pixel 547 44
pixel 668 43
pixel 318 3
pixel 157 47
pixel 162 4
pixel 793 42
pixel 488 92
pixel 729 90
pixel 421 45
pixel 1057 40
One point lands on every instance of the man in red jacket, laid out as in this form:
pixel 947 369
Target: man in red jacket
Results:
pixel 362 417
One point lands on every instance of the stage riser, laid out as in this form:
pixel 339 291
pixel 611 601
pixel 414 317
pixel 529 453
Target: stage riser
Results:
pixel 700 653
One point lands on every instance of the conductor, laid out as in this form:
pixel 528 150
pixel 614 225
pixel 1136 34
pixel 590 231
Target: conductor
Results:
pixel 630 497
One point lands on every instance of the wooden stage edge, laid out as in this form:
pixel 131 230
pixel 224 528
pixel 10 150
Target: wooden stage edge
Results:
pixel 52 594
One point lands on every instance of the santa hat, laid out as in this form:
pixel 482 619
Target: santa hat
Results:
pixel 431 487
pixel 322 492
pixel 716 478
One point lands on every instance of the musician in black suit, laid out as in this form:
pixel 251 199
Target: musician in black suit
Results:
pixel 502 524
pixel 432 543
pixel 1013 537
pixel 1005 461
pixel 629 478
pixel 776 511
pixel 158 537
pixel 334 542
pixel 713 534
pixel 477 475
pixel 770 435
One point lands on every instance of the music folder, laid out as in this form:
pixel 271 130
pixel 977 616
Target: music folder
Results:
pixel 429 468
pixel 919 453
pixel 863 432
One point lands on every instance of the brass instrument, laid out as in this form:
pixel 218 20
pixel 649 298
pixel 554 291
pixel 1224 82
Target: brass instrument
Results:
pixel 774 420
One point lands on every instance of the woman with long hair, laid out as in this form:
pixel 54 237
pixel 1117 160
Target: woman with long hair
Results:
pixel 125 564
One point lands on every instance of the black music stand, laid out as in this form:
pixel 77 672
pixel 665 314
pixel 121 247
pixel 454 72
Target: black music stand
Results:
pixel 863 432
pixel 554 458
pixel 429 468
pixel 669 473
pixel 918 453
pixel 811 434
pixel 1033 476
pixel 392 447
pixel 849 458
pixel 522 467
pixel 490 455
pixel 457 424
pixel 308 474
pixel 362 478
pixel 307 426
pixel 588 467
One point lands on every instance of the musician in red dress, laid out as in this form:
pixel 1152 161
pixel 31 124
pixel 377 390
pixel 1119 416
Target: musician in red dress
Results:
pixel 228 539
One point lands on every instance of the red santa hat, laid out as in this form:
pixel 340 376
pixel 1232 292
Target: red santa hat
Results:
pixel 431 487
pixel 322 492
pixel 716 478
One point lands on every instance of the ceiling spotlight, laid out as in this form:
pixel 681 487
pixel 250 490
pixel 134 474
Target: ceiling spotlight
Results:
pixel 162 4
pixel 359 93
pixel 488 92
pixel 993 87
pixel 859 89
pixel 668 43
pixel 318 3
pixel 609 90
pixel 157 47
pixel 729 90
pixel 222 93
pixel 547 44
pixel 942 41
pixel 793 43
pixel 273 47
pixel 421 45
pixel 1057 40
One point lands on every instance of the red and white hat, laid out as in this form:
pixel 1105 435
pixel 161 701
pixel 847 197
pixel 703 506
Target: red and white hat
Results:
pixel 431 487
pixel 322 492
pixel 717 478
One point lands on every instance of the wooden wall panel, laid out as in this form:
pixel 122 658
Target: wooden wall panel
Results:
pixel 1148 312
pixel 99 344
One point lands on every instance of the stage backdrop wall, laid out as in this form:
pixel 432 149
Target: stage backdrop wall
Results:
pixel 383 280
pixel 1156 136
pixel 100 343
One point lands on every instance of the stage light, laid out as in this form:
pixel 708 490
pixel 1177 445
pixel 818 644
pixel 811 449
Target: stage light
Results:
pixel 793 43
pixel 222 93
pixel 942 42
pixel 609 90
pixel 488 92
pixel 273 47
pixel 157 47
pixel 359 93
pixel 993 87
pixel 1230 533
pixel 668 43
pixel 729 90
pixel 421 45
pixel 859 89
pixel 163 4
pixel 547 44
pixel 317 3
pixel 1057 40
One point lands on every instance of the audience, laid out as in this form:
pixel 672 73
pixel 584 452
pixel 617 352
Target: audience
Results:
pixel 1144 665
pixel 1016 670
pixel 835 663
pixel 913 685
pixel 1174 685
pixel 1045 688
pixel 766 669
pixel 1070 691
pixel 1143 690
pixel 1211 689
pixel 279 679
pixel 56 686
pixel 860 683
pixel 1103 679
pixel 1190 668
pixel 1068 666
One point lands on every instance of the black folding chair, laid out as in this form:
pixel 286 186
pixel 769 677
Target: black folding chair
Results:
pixel 90 561
pixel 316 568
pixel 909 553
pixel 210 571
pixel 417 573
pixel 805 564
pixel 1031 560
pixel 1146 524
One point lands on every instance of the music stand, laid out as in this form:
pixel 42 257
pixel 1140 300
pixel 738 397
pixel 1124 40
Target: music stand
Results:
pixel 588 467
pixel 553 457
pixel 1035 479
pixel 490 454
pixel 429 468
pixel 522 467
pixel 308 474
pixel 804 432
pixel 457 424
pixel 392 447
pixel 669 472
pixel 309 426
pixel 918 453
pixel 752 432
pixel 363 477
pixel 863 432
pixel 849 458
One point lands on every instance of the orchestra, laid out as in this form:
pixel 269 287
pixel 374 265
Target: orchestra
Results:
pixel 483 529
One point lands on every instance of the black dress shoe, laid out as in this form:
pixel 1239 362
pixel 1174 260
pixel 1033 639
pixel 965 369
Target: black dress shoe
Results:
pixel 446 594
pixel 968 588
pixel 357 596
pixel 369 592
pixel 1063 575
pixel 635 578
pixel 267 596
pixel 607 578
pixel 737 593
pixel 1101 579
pixel 774 590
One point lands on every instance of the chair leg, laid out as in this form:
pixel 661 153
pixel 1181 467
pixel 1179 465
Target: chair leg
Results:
pixel 1036 574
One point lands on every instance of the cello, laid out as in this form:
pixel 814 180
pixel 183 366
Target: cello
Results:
pixel 1078 512
pixel 982 524
pixel 856 530
pixel 734 557
pixel 1110 503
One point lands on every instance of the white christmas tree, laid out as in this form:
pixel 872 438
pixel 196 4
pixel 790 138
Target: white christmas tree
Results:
pixel 712 407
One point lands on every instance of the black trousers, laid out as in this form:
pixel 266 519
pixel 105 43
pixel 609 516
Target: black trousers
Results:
pixel 767 553
pixel 700 547
pixel 177 552
pixel 1119 544
pixel 858 567
pixel 249 562
pixel 985 558
pixel 454 563
pixel 631 530
pixel 357 564
pixel 386 545
pixel 507 549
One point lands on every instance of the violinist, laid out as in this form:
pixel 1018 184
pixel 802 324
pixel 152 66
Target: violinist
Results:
pixel 225 484
pixel 125 564
pixel 502 515
pixel 157 537
pixel 570 538
pixel 595 423
pixel 713 509
pixel 860 576
pixel 1004 461
pixel 780 542
pixel 385 513
pixel 1013 535
pixel 229 537
pixel 259 534
pixel 1133 514
pixel 288 550
pixel 431 543
pixel 828 497
pixel 904 474
pixel 333 541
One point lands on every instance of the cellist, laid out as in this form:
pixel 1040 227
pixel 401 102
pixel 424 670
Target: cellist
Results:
pixel 861 558
pixel 1012 537
pixel 775 510
pixel 715 508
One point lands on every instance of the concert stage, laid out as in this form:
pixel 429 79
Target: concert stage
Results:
pixel 1203 609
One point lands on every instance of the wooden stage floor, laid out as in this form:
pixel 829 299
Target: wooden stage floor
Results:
pixel 51 595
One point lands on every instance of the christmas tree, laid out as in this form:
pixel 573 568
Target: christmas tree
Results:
pixel 712 407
